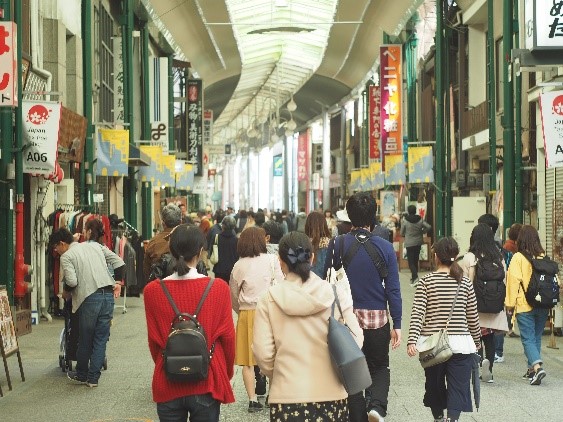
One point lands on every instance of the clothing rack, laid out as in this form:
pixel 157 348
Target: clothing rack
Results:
pixel 72 207
pixel 126 229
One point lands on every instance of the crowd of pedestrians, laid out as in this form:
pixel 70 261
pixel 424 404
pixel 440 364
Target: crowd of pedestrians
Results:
pixel 277 268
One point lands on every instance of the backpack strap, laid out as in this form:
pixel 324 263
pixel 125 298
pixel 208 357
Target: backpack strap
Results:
pixel 199 305
pixel 363 239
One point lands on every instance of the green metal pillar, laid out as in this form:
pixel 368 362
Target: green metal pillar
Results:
pixel 146 188
pixel 410 54
pixel 440 139
pixel 86 168
pixel 6 188
pixel 491 92
pixel 171 146
pixel 130 205
pixel 508 120
pixel 518 188
pixel 448 135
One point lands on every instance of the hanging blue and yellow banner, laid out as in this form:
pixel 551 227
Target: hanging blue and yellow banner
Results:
pixel 377 175
pixel 420 165
pixel 112 152
pixel 355 180
pixel 365 180
pixel 185 178
pixel 394 170
pixel 169 171
pixel 151 173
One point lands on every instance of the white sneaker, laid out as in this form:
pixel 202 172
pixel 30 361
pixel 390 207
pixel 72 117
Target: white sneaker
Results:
pixel 486 374
pixel 499 359
pixel 373 416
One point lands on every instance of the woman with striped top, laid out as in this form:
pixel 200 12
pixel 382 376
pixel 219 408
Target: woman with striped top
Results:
pixel 447 384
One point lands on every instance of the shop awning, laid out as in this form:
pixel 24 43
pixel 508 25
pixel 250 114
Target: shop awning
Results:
pixel 137 157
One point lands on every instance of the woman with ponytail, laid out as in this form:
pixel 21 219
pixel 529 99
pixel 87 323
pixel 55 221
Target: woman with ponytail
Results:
pixel 447 384
pixel 179 401
pixel 290 325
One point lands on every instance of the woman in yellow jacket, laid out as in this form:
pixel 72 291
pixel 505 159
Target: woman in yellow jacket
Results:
pixel 531 321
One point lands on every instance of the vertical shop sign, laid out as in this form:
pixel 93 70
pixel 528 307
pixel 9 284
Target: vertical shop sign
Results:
pixel 374 124
pixel 118 94
pixel 41 124
pixel 551 108
pixel 8 65
pixel 302 157
pixel 195 125
pixel 548 25
pixel 391 57
pixel 278 165
pixel 207 127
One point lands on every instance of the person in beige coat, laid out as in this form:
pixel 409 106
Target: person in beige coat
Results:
pixel 290 339
pixel 482 246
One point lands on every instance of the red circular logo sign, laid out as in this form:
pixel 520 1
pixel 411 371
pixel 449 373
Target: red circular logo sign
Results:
pixel 38 114
pixel 557 106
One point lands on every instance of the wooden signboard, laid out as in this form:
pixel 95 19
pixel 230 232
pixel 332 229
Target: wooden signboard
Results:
pixel 8 338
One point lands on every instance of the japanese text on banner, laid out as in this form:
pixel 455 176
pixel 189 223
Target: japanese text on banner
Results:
pixel 391 99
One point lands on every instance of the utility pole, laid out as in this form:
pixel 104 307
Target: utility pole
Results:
pixel 86 168
pixel 508 119
pixel 440 152
pixel 146 187
pixel 518 188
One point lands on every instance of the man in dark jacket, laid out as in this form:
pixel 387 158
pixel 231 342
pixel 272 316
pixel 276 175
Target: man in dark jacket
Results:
pixel 375 297
pixel 413 228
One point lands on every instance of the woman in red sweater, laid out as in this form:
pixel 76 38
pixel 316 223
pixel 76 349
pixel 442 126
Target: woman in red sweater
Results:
pixel 200 401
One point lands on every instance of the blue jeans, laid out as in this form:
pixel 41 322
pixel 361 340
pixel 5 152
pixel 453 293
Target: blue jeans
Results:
pixel 95 315
pixel 531 326
pixel 199 408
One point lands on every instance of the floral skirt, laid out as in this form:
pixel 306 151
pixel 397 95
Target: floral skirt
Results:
pixel 326 411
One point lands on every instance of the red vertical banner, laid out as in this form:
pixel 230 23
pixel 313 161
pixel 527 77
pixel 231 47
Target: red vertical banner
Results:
pixel 8 65
pixel 374 124
pixel 391 57
pixel 302 156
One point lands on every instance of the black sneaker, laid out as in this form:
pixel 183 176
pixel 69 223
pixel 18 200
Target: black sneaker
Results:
pixel 260 388
pixel 538 376
pixel 528 375
pixel 73 377
pixel 254 406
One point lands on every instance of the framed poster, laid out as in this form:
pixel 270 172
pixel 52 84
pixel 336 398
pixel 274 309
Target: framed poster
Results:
pixel 389 202
pixel 7 329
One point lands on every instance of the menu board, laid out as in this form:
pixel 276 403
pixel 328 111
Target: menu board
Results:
pixel 7 330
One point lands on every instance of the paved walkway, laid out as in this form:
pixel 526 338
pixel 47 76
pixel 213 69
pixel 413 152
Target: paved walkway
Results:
pixel 124 393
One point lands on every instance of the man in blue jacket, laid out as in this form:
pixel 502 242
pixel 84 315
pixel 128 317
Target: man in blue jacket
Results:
pixel 371 266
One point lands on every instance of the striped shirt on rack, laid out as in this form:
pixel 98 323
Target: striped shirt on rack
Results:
pixel 433 300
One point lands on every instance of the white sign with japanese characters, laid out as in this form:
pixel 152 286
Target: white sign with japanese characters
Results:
pixel 548 25
pixel 551 107
pixel 41 122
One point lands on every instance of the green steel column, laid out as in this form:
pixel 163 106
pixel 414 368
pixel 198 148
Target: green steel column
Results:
pixel 447 135
pixel 171 146
pixel 6 191
pixel 440 152
pixel 411 86
pixel 146 187
pixel 86 167
pixel 508 120
pixel 491 91
pixel 131 182
pixel 519 190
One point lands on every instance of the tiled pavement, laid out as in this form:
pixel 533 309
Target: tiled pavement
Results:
pixel 124 393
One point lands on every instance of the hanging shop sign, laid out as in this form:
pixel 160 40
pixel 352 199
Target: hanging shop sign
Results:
pixel 7 330
pixel 158 101
pixel 391 99
pixel 365 179
pixel 118 77
pixel 278 165
pixel 548 25
pixel 151 173
pixel 207 127
pixel 184 176
pixel 41 123
pixel 159 135
pixel 355 180
pixel 195 125
pixel 8 65
pixel 374 122
pixel 168 177
pixel 72 135
pixel 420 165
pixel 302 156
pixel 551 107
pixel 112 152
pixel 394 170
